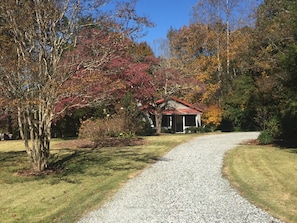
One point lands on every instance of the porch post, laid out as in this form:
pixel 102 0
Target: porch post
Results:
pixel 184 123
pixel 198 120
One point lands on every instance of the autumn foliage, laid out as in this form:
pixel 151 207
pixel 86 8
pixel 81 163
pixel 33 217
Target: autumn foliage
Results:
pixel 212 117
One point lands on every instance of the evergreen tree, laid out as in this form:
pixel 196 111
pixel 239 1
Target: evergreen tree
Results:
pixel 289 114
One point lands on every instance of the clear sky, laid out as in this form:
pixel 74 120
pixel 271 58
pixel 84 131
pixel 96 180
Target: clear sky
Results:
pixel 175 14
pixel 165 14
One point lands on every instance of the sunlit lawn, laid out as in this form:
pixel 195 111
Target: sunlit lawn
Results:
pixel 88 177
pixel 267 176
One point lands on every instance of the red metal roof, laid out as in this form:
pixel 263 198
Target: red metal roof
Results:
pixel 190 110
pixel 184 111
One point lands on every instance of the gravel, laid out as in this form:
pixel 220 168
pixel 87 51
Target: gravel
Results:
pixel 186 185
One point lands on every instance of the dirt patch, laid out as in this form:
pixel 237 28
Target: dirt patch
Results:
pixel 250 142
pixel 76 144
pixel 106 142
pixel 32 173
pixel 119 142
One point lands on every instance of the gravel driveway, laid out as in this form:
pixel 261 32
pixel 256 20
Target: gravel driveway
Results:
pixel 185 186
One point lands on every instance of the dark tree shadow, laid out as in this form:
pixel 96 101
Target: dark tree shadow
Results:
pixel 286 144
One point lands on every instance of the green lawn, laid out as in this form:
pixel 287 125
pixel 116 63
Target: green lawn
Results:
pixel 267 176
pixel 88 179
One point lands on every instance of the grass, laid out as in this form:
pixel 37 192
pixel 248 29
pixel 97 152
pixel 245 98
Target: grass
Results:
pixel 267 176
pixel 88 179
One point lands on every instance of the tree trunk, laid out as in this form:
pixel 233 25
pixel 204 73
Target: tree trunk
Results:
pixel 158 119
pixel 35 129
pixel 159 113
pixel 39 153
pixel 227 38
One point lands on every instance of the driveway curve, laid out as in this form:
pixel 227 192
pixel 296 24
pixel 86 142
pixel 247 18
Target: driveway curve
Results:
pixel 185 186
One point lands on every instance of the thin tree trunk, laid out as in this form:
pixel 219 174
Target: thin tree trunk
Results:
pixel 158 119
pixel 20 124
pixel 228 38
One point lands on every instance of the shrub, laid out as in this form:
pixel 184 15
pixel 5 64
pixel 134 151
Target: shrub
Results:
pixel 166 130
pixel 100 128
pixel 145 129
pixel 265 137
pixel 204 128
pixel 274 127
pixel 192 129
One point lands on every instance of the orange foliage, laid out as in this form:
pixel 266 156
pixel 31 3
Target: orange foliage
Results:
pixel 201 51
pixel 213 117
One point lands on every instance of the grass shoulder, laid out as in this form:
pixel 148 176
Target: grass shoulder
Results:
pixel 266 176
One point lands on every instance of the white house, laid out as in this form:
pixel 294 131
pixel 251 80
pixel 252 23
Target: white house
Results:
pixel 177 115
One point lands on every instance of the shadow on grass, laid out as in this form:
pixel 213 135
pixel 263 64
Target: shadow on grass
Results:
pixel 12 163
pixel 70 165
pixel 7 157
pixel 76 161
pixel 287 145
pixel 104 160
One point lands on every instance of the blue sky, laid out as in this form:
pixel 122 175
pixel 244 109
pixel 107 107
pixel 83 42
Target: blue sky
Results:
pixel 173 13
pixel 164 13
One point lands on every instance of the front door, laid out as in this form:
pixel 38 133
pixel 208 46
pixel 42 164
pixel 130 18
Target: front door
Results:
pixel 177 123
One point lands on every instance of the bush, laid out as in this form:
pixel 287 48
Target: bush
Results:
pixel 192 129
pixel 107 127
pixel 145 129
pixel 274 127
pixel 265 137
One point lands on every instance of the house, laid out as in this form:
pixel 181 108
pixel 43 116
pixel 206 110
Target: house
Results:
pixel 177 115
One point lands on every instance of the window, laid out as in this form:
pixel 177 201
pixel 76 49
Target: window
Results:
pixel 166 121
pixel 190 120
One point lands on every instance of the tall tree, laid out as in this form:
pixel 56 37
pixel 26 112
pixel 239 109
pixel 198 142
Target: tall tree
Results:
pixel 289 61
pixel 232 15
pixel 273 38
pixel 237 106
pixel 213 11
pixel 38 45
pixel 195 50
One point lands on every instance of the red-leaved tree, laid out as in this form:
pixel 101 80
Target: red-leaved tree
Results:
pixel 58 62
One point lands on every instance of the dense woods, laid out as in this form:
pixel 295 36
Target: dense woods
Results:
pixel 248 68
pixel 64 66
